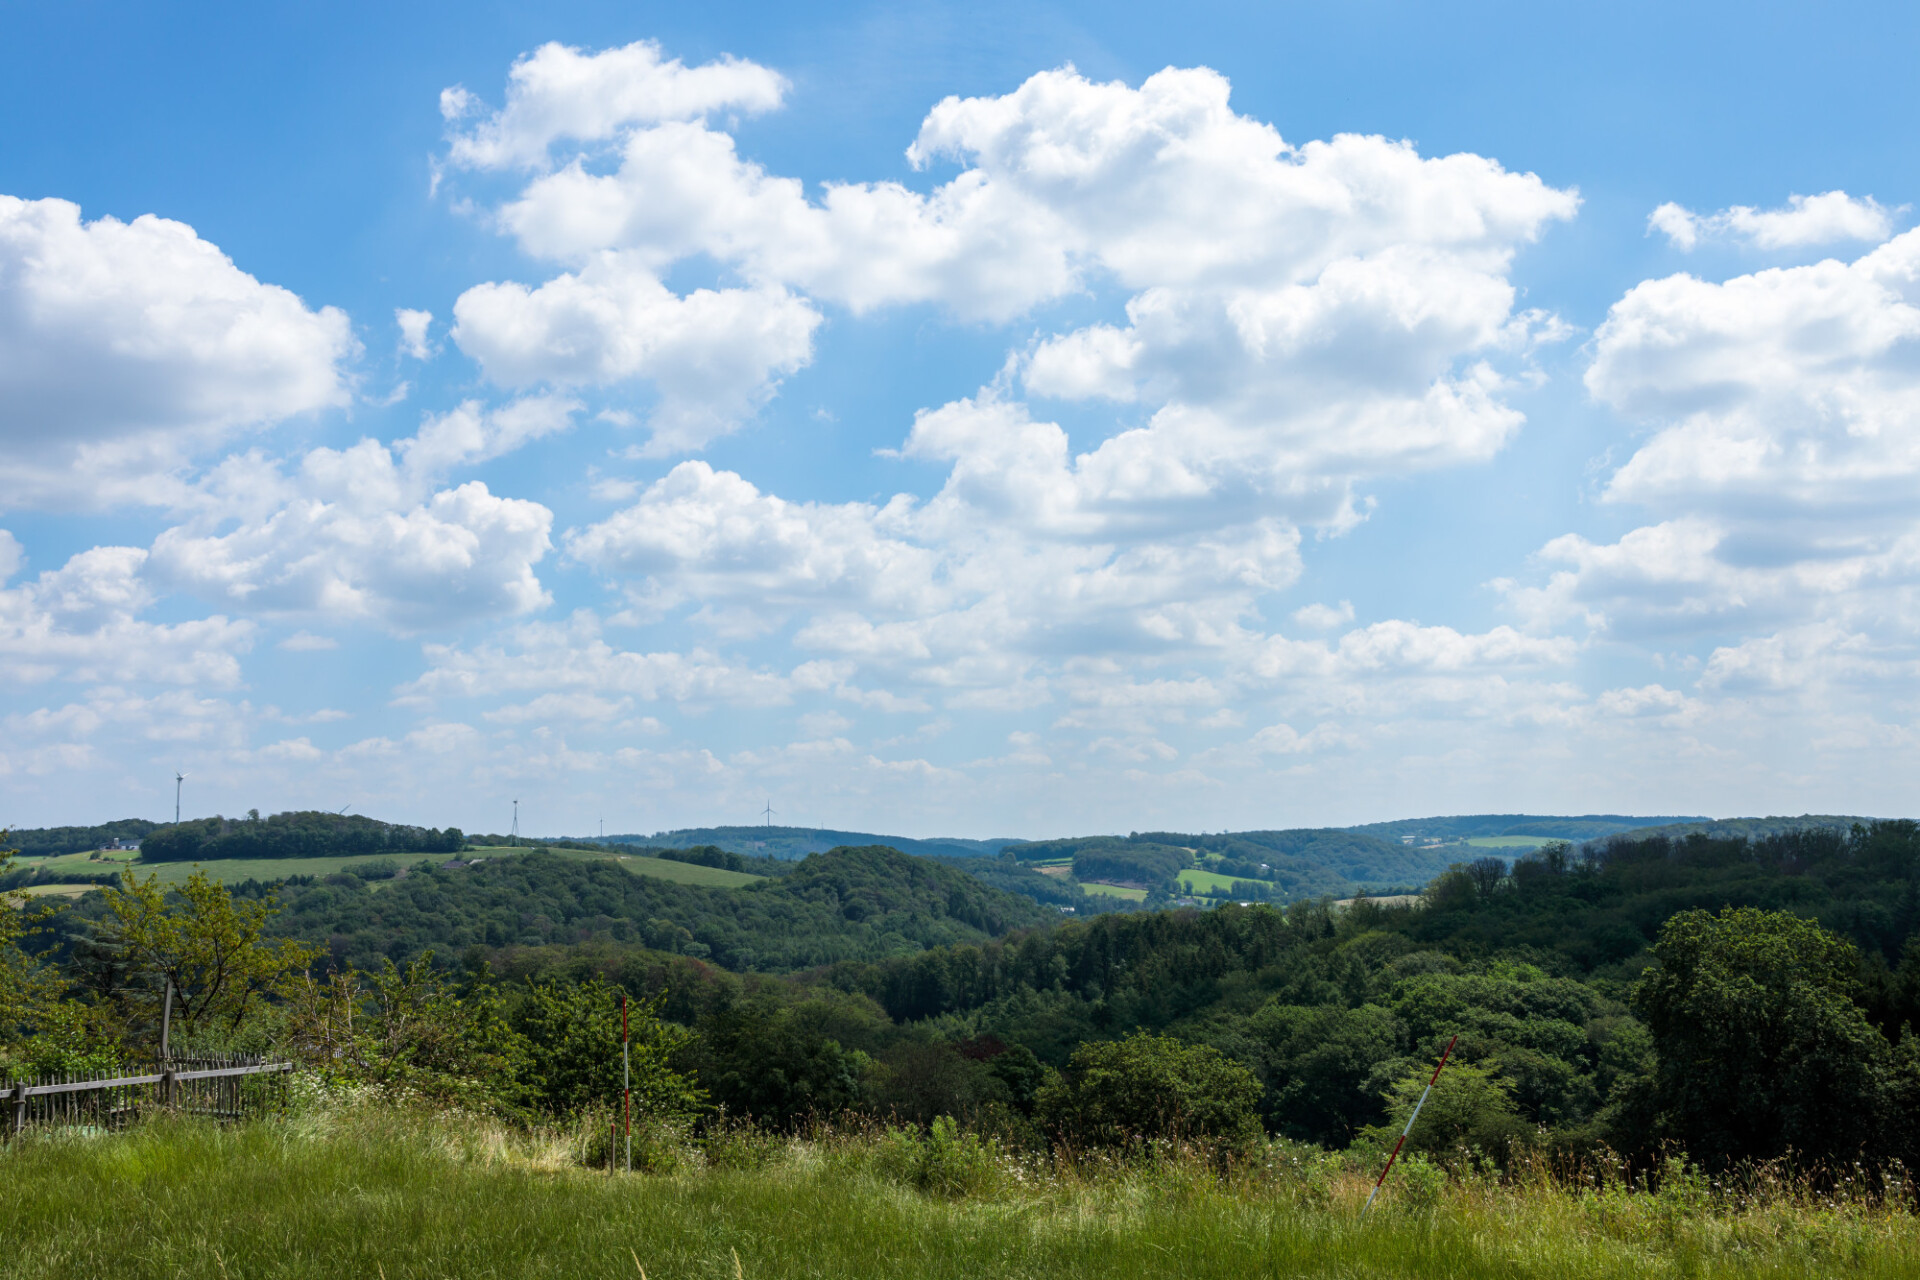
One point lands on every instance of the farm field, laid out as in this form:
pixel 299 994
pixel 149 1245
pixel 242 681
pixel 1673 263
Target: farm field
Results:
pixel 402 1196
pixel 1197 881
pixel 1116 891
pixel 1509 842
pixel 667 869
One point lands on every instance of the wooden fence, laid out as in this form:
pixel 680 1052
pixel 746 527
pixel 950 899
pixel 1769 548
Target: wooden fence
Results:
pixel 221 1086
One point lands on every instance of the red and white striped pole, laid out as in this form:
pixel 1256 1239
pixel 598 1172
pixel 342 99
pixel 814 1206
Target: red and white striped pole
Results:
pixel 1444 1054
pixel 626 1078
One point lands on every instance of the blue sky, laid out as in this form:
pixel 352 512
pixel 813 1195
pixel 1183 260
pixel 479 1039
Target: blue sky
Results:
pixel 1022 419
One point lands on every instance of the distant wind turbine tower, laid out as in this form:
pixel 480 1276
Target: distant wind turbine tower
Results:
pixel 178 778
pixel 769 811
pixel 515 833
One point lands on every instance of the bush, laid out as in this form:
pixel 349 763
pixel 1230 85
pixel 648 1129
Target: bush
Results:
pixel 1148 1088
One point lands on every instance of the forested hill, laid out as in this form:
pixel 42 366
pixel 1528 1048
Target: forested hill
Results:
pixel 1476 826
pixel 798 842
pixel 1751 828
pixel 1301 863
pixel 849 904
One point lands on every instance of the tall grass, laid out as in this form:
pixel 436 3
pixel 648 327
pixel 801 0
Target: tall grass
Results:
pixel 395 1194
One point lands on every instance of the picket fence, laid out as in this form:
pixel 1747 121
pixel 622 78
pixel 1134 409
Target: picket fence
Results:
pixel 219 1086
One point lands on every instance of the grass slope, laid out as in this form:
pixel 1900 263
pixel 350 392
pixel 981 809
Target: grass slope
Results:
pixel 665 869
pixel 386 1197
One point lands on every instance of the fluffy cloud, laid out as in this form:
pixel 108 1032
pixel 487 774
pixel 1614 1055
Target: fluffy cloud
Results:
pixel 714 356
pixel 1324 301
pixel 1792 390
pixel 364 534
pixel 1830 218
pixel 81 622
pixel 558 92
pixel 712 536
pixel 123 346
pixel 1785 416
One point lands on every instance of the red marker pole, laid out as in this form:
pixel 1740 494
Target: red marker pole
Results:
pixel 626 1078
pixel 1444 1054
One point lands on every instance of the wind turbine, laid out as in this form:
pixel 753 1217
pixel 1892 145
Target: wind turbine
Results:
pixel 178 778
pixel 769 812
pixel 515 833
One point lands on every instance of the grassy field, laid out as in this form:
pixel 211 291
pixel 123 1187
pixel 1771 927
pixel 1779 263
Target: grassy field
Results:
pixel 679 872
pixel 1115 891
pixel 233 870
pixel 54 890
pixel 395 1197
pixel 1509 842
pixel 1197 881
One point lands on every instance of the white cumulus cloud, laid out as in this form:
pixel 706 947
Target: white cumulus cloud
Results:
pixel 1832 217
pixel 125 346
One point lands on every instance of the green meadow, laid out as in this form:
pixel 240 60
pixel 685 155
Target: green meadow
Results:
pixel 1199 881
pixel 397 1195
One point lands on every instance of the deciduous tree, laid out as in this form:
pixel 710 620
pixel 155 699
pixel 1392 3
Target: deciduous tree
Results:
pixel 198 938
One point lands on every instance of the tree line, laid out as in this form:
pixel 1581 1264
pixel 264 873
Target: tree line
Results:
pixel 301 834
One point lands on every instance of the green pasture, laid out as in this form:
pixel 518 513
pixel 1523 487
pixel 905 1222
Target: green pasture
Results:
pixel 1197 881
pixel 1116 891
pixel 390 1196
pixel 1510 842
pixel 55 890
pixel 678 872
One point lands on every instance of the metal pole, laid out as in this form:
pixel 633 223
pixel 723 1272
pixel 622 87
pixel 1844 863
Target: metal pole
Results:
pixel 166 1023
pixel 1444 1054
pixel 626 1077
